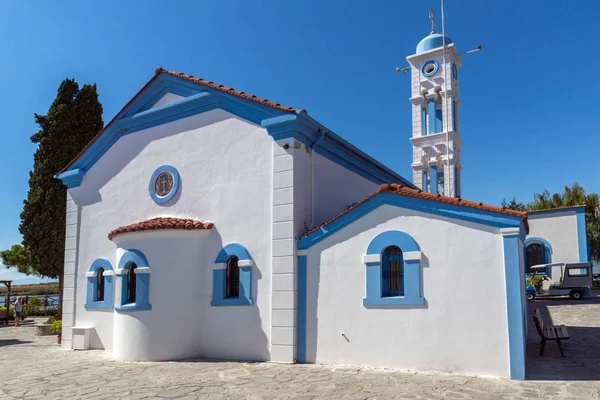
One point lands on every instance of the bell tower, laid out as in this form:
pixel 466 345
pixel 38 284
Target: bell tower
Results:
pixel 435 115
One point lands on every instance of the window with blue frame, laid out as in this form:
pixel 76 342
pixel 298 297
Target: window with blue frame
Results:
pixel 392 272
pixel 232 277
pixel 535 255
pixel 99 285
pixel 438 120
pixel 134 274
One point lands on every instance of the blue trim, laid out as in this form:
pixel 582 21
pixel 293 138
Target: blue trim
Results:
pixel 71 178
pixel 155 197
pixel 219 278
pixel 515 306
pixel 423 121
pixel 435 68
pixel 301 319
pixel 454 71
pixel 307 131
pixel 425 186
pixel 92 286
pixel 433 184
pixel 232 249
pixel 392 238
pixel 428 206
pixel 584 254
pixel 539 240
pixel 142 282
pixel 438 120
pixel 454 116
pixel 432 115
pixel 411 281
pixel 245 295
pixel 198 99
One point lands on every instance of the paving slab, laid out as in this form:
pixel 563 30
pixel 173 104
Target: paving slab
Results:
pixel 35 367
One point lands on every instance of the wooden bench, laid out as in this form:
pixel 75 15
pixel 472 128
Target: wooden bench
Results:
pixel 549 332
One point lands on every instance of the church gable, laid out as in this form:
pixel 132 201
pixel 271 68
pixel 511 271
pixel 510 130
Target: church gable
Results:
pixel 167 97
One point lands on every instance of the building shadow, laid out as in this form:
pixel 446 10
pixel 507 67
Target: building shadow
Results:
pixel 582 353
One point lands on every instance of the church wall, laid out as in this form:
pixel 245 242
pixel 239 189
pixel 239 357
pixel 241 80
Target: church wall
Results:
pixel 336 189
pixel 559 229
pixel 462 327
pixel 225 168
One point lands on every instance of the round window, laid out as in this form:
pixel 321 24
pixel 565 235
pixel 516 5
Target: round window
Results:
pixel 163 184
pixel 429 68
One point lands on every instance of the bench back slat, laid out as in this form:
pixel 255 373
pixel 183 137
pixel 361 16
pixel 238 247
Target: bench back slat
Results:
pixel 539 322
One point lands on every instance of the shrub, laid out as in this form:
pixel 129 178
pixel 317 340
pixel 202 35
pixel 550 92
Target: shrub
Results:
pixel 56 326
pixel 537 281
pixel 35 301
pixel 50 320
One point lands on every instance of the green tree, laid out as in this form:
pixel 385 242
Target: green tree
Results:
pixel 73 119
pixel 17 257
pixel 574 195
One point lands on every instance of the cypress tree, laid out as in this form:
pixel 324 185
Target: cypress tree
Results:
pixel 73 119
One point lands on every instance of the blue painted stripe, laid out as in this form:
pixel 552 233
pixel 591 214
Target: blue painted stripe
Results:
pixel 301 319
pixel 433 184
pixel 432 115
pixel 428 206
pixel 515 306
pixel 582 242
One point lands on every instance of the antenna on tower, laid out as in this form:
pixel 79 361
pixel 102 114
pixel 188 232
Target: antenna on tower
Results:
pixel 433 22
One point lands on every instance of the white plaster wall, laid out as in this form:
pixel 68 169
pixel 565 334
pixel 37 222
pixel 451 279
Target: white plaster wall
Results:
pixel 225 165
pixel 462 328
pixel 560 230
pixel 166 99
pixel 336 189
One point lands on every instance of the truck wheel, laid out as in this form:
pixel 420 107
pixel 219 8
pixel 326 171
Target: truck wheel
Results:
pixel 576 295
pixel 530 296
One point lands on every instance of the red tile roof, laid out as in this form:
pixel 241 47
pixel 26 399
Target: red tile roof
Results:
pixel 161 223
pixel 553 209
pixel 405 191
pixel 190 78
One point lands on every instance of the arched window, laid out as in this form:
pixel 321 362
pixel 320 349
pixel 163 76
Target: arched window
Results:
pixel 535 256
pixel 392 272
pixel 100 284
pixel 131 283
pixel 232 278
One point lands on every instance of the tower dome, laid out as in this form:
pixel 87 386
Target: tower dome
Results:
pixel 433 41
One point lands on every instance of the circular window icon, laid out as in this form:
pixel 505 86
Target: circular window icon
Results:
pixel 163 184
pixel 429 68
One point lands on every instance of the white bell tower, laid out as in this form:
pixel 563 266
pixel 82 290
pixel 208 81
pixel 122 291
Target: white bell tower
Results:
pixel 435 115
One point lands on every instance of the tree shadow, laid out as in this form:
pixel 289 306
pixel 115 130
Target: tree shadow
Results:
pixel 10 342
pixel 582 354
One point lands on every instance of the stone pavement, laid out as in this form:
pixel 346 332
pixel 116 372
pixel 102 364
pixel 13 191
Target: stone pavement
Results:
pixel 36 368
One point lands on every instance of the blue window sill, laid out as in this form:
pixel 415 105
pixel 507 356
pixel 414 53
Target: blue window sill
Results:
pixel 393 301
pixel 99 305
pixel 134 307
pixel 231 302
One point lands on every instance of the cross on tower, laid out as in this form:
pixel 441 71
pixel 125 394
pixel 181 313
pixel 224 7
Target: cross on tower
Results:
pixel 432 18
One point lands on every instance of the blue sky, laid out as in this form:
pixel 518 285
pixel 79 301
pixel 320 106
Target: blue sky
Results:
pixel 528 120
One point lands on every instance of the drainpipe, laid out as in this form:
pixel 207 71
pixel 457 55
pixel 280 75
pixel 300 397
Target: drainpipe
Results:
pixel 312 179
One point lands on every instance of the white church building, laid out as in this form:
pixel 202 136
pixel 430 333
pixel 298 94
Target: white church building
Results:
pixel 203 221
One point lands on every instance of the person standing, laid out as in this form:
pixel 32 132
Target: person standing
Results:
pixel 18 310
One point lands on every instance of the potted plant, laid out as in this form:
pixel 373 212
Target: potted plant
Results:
pixel 57 328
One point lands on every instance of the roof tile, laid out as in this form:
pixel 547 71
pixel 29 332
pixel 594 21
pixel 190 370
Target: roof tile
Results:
pixel 161 223
pixel 405 191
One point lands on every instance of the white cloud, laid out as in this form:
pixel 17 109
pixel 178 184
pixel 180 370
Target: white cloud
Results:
pixel 11 274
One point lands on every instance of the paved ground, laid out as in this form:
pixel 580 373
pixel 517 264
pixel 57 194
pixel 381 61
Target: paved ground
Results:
pixel 35 368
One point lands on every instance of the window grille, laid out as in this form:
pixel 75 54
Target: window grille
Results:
pixel 392 272
pixel 535 256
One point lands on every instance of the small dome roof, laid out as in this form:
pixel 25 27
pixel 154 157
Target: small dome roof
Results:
pixel 431 42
